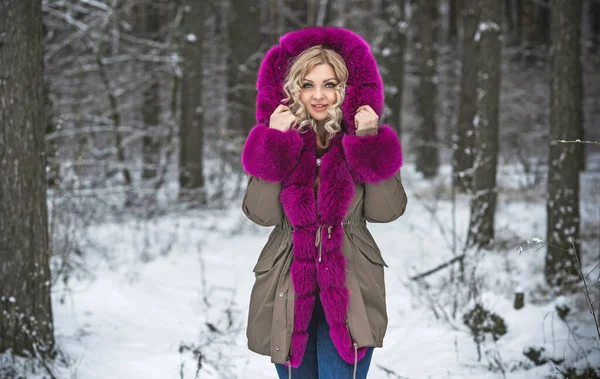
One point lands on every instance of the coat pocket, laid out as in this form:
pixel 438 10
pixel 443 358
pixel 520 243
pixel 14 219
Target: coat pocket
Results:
pixel 273 250
pixel 369 249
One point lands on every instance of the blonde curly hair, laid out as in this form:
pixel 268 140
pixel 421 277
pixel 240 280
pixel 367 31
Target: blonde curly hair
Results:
pixel 299 68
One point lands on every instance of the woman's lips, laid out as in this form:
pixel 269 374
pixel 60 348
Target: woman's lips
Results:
pixel 319 108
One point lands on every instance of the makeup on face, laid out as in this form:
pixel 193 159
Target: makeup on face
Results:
pixel 318 91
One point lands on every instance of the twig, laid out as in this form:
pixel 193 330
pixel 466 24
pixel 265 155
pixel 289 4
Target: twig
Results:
pixel 436 269
pixel 587 295
pixel 578 141
pixel 391 372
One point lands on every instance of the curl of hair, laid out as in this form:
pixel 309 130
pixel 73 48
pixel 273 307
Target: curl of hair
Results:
pixel 299 68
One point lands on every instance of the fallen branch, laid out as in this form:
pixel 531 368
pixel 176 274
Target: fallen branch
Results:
pixel 438 268
pixel 578 141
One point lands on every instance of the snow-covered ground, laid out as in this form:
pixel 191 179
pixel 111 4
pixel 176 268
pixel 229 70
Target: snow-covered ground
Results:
pixel 160 288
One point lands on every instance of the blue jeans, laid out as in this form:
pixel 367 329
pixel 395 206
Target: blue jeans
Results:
pixel 321 359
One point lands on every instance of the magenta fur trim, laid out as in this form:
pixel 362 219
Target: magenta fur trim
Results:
pixel 271 154
pixel 374 158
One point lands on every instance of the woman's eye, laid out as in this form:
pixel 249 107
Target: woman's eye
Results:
pixel 306 85
pixel 330 85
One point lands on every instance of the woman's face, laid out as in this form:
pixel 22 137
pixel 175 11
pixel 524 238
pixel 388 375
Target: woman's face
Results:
pixel 318 91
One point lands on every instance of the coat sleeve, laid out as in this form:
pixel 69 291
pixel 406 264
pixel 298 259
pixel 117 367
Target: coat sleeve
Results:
pixel 271 154
pixel 385 201
pixel 375 157
pixel 261 202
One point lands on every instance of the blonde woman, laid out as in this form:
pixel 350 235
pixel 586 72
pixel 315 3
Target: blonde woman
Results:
pixel 320 167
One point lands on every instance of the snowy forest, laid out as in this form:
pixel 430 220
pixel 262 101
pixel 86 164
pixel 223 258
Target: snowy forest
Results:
pixel 124 251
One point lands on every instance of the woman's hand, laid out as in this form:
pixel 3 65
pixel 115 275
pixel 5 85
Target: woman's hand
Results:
pixel 365 118
pixel 282 118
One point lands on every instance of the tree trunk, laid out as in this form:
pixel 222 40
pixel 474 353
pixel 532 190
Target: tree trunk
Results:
pixel 508 16
pixel 393 59
pixel 453 19
pixel 299 10
pixel 517 18
pixel 272 20
pixel 52 157
pixel 463 144
pixel 148 25
pixel 543 22
pixel 594 16
pixel 483 204
pixel 311 12
pixel 527 29
pixel 426 17
pixel 244 60
pixel 26 324
pixel 564 160
pixel 191 131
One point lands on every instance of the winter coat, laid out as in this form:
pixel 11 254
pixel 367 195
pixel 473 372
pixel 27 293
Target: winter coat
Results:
pixel 320 246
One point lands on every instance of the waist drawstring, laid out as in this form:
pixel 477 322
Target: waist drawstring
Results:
pixel 355 358
pixel 318 242
pixel 289 370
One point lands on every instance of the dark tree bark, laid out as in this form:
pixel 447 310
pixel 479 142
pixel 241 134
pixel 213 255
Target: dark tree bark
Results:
pixel 564 160
pixel 483 204
pixel 191 130
pixel 53 166
pixel 427 154
pixel 543 21
pixel 148 26
pixel 517 18
pixel 393 59
pixel 463 145
pixel 527 29
pixel 299 11
pixel 508 16
pixel 594 17
pixel 453 18
pixel 272 19
pixel 311 12
pixel 244 60
pixel 26 324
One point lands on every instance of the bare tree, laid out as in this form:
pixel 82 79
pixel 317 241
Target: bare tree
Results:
pixel 564 160
pixel 26 323
pixel 392 58
pixel 147 21
pixel 594 19
pixel 527 30
pixel 426 21
pixel 542 8
pixel 454 18
pixel 245 53
pixel 463 142
pixel 483 203
pixel 510 21
pixel 191 131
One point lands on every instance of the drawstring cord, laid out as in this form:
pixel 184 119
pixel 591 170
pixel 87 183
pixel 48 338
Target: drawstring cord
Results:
pixel 318 242
pixel 355 358
pixel 289 370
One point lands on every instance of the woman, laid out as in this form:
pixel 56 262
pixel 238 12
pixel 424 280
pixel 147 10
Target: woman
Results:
pixel 320 167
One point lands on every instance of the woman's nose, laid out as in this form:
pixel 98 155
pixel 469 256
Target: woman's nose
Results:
pixel 318 93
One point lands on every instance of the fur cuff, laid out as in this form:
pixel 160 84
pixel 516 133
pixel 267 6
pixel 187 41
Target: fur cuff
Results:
pixel 270 154
pixel 374 158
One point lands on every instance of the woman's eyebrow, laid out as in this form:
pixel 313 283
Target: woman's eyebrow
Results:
pixel 326 80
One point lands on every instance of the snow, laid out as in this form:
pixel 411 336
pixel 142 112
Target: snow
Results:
pixel 159 284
